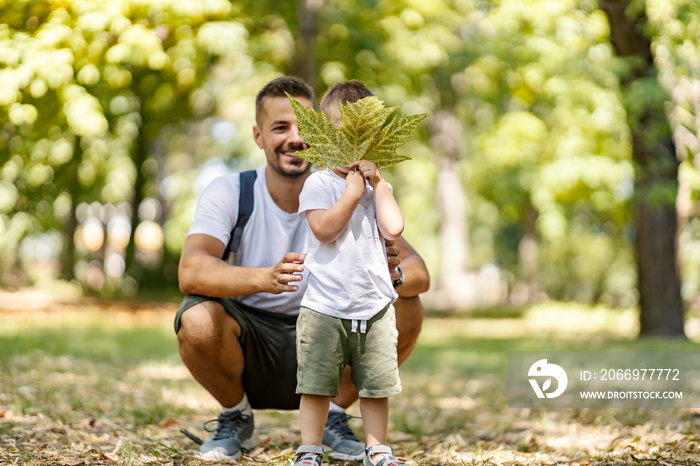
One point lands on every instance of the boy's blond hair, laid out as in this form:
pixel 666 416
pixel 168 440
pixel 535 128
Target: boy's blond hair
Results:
pixel 344 92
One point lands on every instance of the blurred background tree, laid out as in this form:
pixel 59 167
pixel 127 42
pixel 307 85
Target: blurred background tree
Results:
pixel 656 179
pixel 546 171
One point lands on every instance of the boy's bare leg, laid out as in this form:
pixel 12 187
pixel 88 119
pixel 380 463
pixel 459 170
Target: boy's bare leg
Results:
pixel 409 319
pixel 375 418
pixel 313 410
pixel 209 347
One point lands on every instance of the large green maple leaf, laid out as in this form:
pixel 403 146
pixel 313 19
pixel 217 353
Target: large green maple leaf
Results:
pixel 364 133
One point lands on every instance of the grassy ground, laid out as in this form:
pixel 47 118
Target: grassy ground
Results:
pixel 103 384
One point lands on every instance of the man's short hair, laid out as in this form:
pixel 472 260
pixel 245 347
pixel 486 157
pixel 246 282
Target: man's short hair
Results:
pixel 344 92
pixel 291 85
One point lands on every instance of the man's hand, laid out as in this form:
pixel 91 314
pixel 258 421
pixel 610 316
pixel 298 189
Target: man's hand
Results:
pixel 286 271
pixel 392 255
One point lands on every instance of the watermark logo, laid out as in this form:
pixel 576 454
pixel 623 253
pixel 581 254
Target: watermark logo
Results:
pixel 542 368
pixel 603 379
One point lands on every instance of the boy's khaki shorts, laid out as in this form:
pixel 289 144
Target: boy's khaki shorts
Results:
pixel 326 344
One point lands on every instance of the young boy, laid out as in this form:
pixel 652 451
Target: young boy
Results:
pixel 346 314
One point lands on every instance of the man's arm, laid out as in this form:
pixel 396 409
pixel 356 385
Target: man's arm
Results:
pixel 416 277
pixel 202 271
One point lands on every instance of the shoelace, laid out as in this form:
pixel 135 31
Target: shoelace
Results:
pixel 338 423
pixel 226 424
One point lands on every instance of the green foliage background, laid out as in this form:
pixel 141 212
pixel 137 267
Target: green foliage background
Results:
pixel 117 113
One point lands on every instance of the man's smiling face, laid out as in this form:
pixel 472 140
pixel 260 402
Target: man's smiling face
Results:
pixel 277 134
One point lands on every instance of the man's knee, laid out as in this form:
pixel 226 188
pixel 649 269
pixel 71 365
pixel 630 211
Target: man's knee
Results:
pixel 206 323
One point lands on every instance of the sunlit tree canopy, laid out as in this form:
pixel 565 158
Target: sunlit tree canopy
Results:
pixel 114 115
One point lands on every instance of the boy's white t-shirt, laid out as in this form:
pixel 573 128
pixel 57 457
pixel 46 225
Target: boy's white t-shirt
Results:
pixel 348 278
pixel 269 234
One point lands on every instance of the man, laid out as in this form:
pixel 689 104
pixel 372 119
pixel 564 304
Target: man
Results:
pixel 242 349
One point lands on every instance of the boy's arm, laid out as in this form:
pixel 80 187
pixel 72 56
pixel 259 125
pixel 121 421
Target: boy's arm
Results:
pixel 389 216
pixel 328 224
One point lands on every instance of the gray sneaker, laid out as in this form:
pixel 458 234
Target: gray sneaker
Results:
pixel 233 431
pixel 338 436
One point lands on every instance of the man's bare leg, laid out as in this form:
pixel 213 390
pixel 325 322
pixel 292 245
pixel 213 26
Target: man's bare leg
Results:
pixel 209 347
pixel 409 321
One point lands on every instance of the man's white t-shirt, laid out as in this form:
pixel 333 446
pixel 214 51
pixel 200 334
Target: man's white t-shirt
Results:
pixel 268 236
pixel 348 278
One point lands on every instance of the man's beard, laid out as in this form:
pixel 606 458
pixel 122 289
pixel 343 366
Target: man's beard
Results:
pixel 293 170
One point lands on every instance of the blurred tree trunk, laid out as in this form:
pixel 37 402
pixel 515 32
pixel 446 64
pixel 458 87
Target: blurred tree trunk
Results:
pixel 528 252
pixel 71 225
pixel 304 63
pixel 456 286
pixel 656 183
pixel 140 155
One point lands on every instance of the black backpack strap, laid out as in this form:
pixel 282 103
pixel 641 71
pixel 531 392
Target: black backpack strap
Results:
pixel 246 201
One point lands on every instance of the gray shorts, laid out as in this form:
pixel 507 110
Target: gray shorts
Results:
pixel 268 341
pixel 325 345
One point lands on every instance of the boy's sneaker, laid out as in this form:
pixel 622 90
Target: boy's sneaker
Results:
pixel 233 431
pixel 338 436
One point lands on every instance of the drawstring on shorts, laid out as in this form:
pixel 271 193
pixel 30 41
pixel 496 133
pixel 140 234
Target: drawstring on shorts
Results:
pixel 362 325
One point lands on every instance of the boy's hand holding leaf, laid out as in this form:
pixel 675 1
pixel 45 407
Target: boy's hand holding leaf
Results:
pixel 364 134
